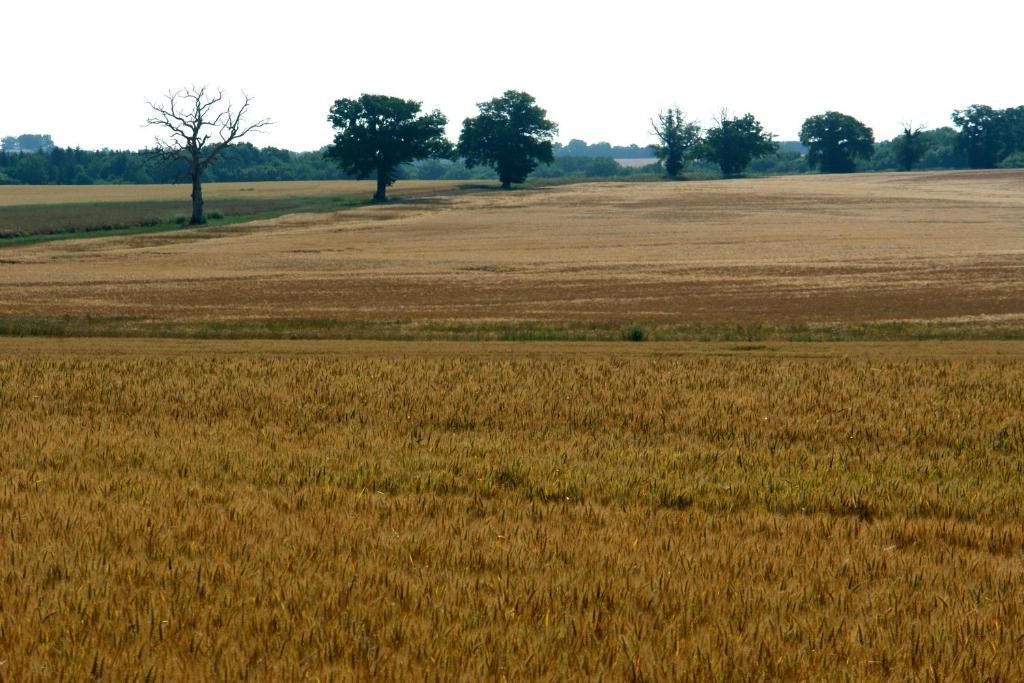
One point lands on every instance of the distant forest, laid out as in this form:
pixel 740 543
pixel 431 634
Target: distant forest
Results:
pixel 35 160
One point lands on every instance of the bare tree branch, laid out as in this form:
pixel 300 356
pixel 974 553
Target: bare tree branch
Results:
pixel 198 126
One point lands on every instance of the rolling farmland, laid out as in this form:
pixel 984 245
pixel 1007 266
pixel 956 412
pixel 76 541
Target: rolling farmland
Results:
pixel 185 508
pixel 819 249
pixel 31 213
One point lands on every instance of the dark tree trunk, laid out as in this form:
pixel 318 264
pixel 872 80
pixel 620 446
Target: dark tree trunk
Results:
pixel 382 187
pixel 506 184
pixel 197 201
pixel 192 117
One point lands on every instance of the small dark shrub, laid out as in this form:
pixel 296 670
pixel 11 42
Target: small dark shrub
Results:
pixel 634 333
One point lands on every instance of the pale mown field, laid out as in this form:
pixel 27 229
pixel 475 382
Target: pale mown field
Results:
pixel 868 247
pixel 198 510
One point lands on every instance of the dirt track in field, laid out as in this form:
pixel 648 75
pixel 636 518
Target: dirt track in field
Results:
pixel 867 247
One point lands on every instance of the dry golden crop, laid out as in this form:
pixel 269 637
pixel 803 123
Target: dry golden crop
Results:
pixel 819 249
pixel 197 510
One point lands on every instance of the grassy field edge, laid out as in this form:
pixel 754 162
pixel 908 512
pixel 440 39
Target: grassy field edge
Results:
pixel 516 331
pixel 172 222
pixel 34 223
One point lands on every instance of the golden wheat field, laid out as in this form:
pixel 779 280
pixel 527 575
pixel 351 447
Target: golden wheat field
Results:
pixel 186 509
pixel 194 510
pixel 869 247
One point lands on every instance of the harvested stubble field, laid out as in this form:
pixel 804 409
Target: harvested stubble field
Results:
pixel 820 249
pixel 287 510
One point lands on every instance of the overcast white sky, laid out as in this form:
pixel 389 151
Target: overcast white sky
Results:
pixel 81 71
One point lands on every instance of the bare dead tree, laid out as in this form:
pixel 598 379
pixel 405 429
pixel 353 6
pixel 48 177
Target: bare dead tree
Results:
pixel 199 125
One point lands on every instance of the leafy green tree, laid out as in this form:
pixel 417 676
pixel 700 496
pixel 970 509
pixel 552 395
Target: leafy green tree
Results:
pixel 511 134
pixel 735 142
pixel 28 142
pixel 1013 120
pixel 602 167
pixel 982 135
pixel 377 134
pixel 909 147
pixel 941 149
pixel 32 169
pixel 835 141
pixel 987 135
pixel 678 140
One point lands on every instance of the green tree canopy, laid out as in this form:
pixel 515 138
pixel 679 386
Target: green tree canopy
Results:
pixel 987 135
pixel 32 169
pixel 511 134
pixel 735 142
pixel 29 142
pixel 1013 119
pixel 836 141
pixel 909 147
pixel 678 140
pixel 378 133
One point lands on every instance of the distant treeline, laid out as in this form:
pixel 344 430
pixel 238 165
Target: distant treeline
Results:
pixel 579 148
pixel 29 142
pixel 242 162
pixel 940 150
pixel 986 138
pixel 246 163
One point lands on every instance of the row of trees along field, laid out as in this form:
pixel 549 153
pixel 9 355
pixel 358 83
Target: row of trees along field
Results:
pixel 509 139
pixel 375 134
